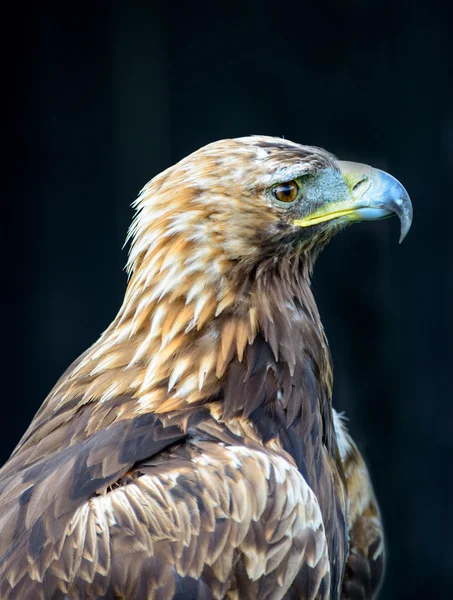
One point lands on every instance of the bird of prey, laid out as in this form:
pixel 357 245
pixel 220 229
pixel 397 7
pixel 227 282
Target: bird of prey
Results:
pixel 193 452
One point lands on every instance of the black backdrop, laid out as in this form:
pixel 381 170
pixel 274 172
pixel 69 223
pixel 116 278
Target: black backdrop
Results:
pixel 99 99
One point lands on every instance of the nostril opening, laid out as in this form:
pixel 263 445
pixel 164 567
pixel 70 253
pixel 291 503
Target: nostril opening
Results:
pixel 362 185
pixel 361 181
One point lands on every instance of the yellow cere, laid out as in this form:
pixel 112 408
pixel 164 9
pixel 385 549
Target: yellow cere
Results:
pixel 326 215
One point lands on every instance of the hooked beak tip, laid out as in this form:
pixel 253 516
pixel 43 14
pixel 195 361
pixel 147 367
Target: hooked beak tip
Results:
pixel 384 193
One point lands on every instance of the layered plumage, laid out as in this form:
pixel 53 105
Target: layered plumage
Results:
pixel 192 452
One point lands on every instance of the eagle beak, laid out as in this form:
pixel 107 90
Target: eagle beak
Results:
pixel 374 194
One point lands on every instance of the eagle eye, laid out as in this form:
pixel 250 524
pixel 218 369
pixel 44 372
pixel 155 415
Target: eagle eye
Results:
pixel 286 192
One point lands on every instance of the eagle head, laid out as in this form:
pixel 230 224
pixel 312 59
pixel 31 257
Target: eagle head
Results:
pixel 240 203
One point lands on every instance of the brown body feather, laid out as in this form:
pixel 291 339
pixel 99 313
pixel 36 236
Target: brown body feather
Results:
pixel 192 451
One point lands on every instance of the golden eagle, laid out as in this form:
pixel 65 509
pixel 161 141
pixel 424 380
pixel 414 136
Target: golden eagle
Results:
pixel 192 452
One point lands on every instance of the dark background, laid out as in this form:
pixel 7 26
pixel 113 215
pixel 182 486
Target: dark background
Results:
pixel 100 98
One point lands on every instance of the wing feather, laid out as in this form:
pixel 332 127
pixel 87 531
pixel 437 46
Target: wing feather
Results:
pixel 210 521
pixel 366 562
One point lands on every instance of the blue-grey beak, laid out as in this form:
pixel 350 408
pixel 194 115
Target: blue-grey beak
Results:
pixel 377 194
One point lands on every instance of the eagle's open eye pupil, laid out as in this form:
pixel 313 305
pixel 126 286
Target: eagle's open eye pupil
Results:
pixel 286 192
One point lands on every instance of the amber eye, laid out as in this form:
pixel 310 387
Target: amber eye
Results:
pixel 286 192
